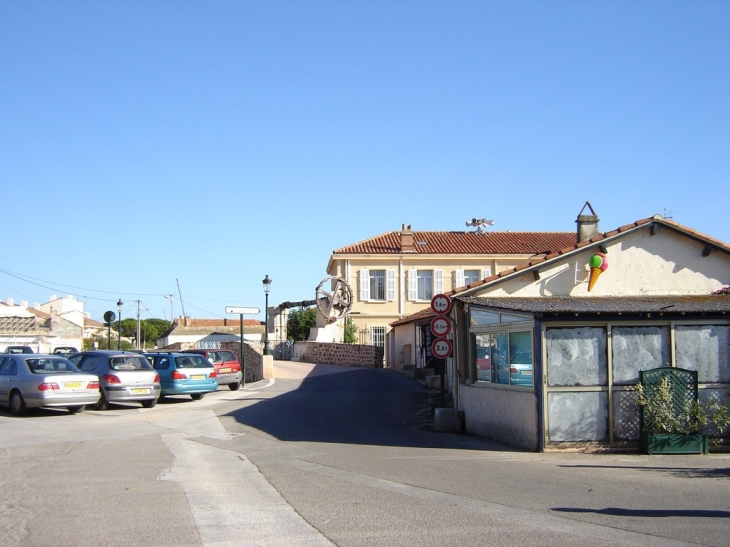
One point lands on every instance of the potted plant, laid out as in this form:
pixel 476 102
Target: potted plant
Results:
pixel 673 419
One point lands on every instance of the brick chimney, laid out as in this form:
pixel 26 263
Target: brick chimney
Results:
pixel 406 239
pixel 587 224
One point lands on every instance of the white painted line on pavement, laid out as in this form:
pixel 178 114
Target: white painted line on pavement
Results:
pixel 231 502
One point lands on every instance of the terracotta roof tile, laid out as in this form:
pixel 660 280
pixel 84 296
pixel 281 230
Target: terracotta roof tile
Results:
pixel 497 243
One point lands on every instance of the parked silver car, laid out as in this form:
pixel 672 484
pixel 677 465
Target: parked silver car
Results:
pixel 31 380
pixel 124 376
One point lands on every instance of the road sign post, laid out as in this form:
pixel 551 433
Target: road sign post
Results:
pixel 441 327
pixel 240 311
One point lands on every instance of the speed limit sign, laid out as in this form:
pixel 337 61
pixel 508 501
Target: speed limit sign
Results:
pixel 441 348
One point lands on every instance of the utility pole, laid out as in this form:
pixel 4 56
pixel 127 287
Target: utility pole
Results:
pixel 138 304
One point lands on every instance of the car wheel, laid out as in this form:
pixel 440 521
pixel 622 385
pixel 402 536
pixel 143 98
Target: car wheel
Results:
pixel 103 404
pixel 75 409
pixel 17 404
pixel 197 396
pixel 150 403
pixel 234 386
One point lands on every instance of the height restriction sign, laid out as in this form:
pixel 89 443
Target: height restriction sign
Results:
pixel 441 304
pixel 440 326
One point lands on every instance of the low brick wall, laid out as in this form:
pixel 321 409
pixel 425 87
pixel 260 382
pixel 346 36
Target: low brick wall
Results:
pixel 327 353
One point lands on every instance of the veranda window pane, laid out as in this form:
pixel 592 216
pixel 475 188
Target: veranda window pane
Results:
pixel 638 348
pixel 577 417
pixel 479 317
pixel 483 358
pixel 576 357
pixel 500 358
pixel 706 349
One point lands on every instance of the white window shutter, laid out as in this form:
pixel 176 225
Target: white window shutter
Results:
pixel 438 282
pixel 412 285
pixel 486 272
pixel 460 278
pixel 364 285
pixel 390 285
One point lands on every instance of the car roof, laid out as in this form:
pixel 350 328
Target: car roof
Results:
pixel 110 352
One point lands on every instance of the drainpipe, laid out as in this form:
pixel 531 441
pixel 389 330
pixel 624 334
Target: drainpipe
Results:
pixel 399 288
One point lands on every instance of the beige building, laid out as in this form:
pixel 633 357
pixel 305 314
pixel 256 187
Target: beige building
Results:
pixel 397 273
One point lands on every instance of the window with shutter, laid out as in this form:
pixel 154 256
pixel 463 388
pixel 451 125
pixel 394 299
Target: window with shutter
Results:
pixel 364 285
pixel 412 285
pixel 390 285
pixel 460 280
pixel 438 282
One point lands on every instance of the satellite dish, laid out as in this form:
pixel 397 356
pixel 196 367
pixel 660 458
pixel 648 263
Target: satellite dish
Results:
pixel 479 222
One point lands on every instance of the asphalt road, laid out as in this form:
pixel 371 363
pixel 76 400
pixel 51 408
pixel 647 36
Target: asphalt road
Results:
pixel 331 456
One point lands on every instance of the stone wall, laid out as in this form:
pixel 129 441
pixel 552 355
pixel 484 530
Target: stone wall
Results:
pixel 254 360
pixel 328 353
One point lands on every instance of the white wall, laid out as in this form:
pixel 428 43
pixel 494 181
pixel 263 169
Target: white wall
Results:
pixel 639 264
pixel 505 415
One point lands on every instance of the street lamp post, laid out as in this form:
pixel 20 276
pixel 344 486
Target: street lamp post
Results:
pixel 119 330
pixel 267 286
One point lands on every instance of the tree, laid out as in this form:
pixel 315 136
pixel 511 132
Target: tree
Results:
pixel 350 334
pixel 153 329
pixel 299 323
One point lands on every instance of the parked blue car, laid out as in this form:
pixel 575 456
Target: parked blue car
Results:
pixel 184 374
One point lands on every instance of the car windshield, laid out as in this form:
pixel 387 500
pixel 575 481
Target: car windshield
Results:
pixel 191 361
pixel 19 350
pixel 46 365
pixel 129 362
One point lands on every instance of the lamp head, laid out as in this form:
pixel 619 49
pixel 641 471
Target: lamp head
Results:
pixel 267 284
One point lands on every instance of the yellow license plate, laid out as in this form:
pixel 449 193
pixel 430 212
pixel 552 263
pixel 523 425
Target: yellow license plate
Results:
pixel 198 377
pixel 140 390
pixel 72 384
pixel 224 370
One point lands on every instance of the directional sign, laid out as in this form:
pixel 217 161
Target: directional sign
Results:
pixel 440 326
pixel 241 311
pixel 441 348
pixel 441 304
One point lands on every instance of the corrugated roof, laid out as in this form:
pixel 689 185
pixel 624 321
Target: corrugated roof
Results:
pixel 571 305
pixel 488 243
pixel 545 305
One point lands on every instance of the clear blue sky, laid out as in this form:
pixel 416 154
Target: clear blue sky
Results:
pixel 149 143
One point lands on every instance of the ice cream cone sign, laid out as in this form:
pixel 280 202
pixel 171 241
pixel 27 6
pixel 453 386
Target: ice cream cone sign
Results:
pixel 598 264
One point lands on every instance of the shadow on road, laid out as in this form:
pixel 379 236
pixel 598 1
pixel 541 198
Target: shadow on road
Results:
pixel 359 406
pixel 652 513
pixel 688 472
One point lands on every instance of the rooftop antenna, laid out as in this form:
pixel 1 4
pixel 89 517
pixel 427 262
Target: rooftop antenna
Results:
pixel 479 222
pixel 668 213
